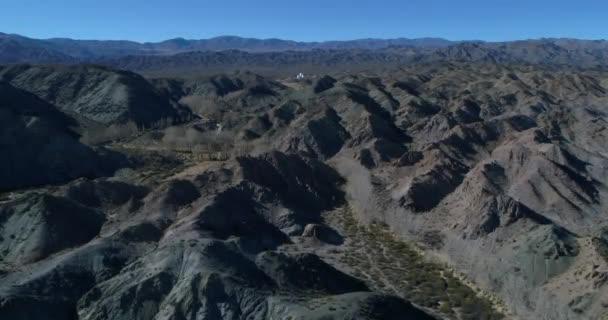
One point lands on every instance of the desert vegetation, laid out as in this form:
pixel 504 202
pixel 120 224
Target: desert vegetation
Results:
pixel 196 140
pixel 98 134
pixel 114 132
pixel 392 266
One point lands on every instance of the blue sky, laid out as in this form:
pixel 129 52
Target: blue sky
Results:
pixel 305 20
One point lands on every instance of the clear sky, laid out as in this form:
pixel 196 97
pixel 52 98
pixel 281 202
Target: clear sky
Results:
pixel 305 20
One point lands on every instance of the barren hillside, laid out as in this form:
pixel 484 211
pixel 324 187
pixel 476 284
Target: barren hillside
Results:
pixel 429 191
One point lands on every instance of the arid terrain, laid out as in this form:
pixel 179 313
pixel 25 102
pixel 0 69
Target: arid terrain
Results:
pixel 468 184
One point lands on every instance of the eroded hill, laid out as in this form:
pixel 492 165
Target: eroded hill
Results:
pixel 440 191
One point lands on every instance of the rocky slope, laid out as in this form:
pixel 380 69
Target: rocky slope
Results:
pixel 504 163
pixel 458 191
pixel 38 147
pixel 94 94
pixel 203 245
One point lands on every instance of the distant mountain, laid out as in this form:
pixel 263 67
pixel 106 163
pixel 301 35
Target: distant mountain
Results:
pixel 546 52
pixel 219 61
pixel 13 51
pixel 230 52
pixel 269 45
pixel 86 49
pixel 584 53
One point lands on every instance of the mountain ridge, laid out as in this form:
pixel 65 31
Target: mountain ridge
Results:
pixel 180 56
pixel 86 48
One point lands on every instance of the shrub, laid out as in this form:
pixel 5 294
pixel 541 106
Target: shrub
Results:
pixel 446 308
pixel 106 134
pixel 194 140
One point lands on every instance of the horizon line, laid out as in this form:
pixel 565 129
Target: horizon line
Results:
pixel 309 42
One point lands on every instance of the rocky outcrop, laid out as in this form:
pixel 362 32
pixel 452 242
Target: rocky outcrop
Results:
pixel 322 136
pixel 323 84
pixel 302 183
pixel 322 233
pixel 103 193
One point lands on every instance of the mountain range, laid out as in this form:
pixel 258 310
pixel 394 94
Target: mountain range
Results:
pixel 57 49
pixel 178 55
pixel 398 179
